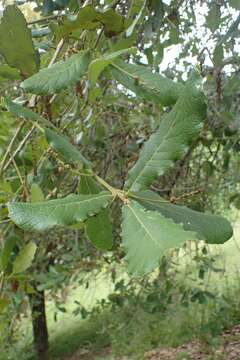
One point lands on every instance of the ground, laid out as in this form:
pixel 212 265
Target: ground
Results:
pixel 228 349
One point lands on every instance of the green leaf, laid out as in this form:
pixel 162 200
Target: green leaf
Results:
pixel 159 56
pixel 59 76
pixel 16 44
pixel 66 211
pixel 89 19
pixel 177 130
pixel 4 302
pixel 88 185
pixel 149 54
pixel 86 19
pixel 213 18
pixel 98 65
pixel 218 55
pixel 211 228
pixel 147 235
pixel 26 113
pixel 112 21
pixel 145 84
pixel 7 250
pixel 158 11
pixel 234 4
pixel 62 146
pixel 131 28
pixel 9 73
pixel 123 43
pixel 36 193
pixel 24 258
pixel 99 230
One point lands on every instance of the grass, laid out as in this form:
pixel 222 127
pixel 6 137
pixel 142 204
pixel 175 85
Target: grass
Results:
pixel 143 331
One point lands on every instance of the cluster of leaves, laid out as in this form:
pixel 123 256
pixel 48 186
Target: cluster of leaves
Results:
pixel 92 91
pixel 178 128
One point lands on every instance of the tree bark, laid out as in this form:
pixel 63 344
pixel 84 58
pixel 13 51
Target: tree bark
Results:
pixel 39 324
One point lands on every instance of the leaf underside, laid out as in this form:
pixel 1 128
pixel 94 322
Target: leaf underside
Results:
pixel 70 210
pixel 145 84
pixel 24 258
pixel 63 147
pixel 147 235
pixel 26 113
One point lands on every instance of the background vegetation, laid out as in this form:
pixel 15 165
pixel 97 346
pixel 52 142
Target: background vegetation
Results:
pixel 61 295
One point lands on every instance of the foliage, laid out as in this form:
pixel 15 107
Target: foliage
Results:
pixel 24 258
pixel 146 236
pixel 177 129
pixel 66 211
pixel 61 75
pixel 83 95
pixel 13 31
pixel 214 229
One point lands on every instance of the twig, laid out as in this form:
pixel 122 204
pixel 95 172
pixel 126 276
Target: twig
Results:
pixel 174 199
pixel 20 147
pixel 20 177
pixel 11 145
pixel 57 51
pixel 98 38
pixel 38 21
pixel 2 282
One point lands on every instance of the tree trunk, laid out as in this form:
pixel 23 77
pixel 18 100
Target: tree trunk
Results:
pixel 39 324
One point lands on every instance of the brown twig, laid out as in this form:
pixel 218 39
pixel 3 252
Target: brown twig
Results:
pixel 9 149
pixel 47 18
pixel 174 199
pixel 20 147
pixel 56 53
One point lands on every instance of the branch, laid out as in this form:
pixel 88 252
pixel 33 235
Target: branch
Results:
pixel 57 51
pixel 9 149
pixel 42 20
pixel 20 147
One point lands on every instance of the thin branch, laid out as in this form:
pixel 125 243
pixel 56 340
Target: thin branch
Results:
pixel 20 177
pixel 9 149
pixel 57 51
pixel 19 148
pixel 98 38
pixel 2 279
pixel 42 20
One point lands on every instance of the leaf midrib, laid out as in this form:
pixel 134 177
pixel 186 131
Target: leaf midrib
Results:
pixel 156 151
pixel 144 227
pixel 57 70
pixel 46 204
